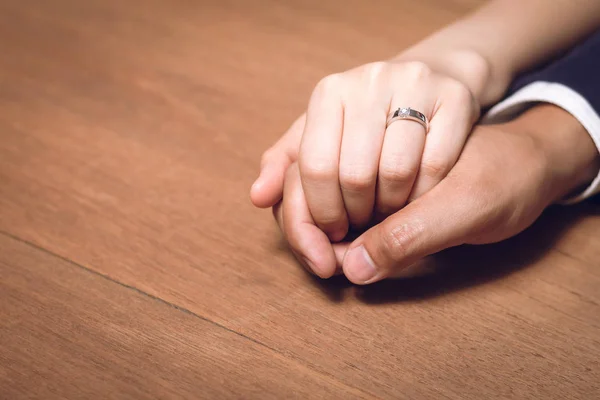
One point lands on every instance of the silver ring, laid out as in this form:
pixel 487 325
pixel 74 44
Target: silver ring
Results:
pixel 408 114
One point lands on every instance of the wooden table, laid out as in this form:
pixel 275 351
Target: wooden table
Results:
pixel 132 264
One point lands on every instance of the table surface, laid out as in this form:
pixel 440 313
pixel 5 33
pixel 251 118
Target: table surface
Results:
pixel 133 265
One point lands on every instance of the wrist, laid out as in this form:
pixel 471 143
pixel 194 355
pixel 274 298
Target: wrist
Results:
pixel 571 159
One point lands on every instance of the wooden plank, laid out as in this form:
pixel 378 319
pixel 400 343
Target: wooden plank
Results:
pixel 130 133
pixel 131 150
pixel 66 332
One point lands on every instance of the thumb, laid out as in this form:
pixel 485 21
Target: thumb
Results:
pixel 441 218
pixel 267 190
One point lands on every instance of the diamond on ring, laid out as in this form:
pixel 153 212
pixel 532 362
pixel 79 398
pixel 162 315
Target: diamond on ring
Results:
pixel 409 114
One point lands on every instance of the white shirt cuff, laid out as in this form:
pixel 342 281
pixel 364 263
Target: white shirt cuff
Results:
pixel 561 96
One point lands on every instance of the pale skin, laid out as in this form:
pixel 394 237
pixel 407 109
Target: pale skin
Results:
pixel 346 169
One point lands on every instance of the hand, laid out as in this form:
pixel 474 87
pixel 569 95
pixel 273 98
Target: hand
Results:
pixel 480 51
pixel 350 164
pixel 506 176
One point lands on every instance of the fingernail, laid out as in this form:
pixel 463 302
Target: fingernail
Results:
pixel 358 265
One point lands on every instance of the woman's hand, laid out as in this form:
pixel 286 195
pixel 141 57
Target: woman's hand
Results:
pixel 350 163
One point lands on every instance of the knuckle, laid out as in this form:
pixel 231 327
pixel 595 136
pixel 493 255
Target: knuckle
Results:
pixel 458 92
pixel 398 241
pixel 329 84
pixel 376 69
pixel 374 74
pixel 318 171
pixel 354 181
pixel 417 69
pixel 329 218
pixel 390 174
pixel 436 168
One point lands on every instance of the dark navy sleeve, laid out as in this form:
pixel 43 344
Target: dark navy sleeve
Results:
pixel 579 69
pixel 571 82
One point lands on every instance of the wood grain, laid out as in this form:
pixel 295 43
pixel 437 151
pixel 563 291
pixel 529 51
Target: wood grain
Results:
pixel 67 332
pixel 130 133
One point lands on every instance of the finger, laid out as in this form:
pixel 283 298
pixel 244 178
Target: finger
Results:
pixel 307 241
pixel 278 214
pixel 400 158
pixel 441 218
pixel 403 143
pixel 364 127
pixel 319 159
pixel 449 128
pixel 268 187
pixel 339 250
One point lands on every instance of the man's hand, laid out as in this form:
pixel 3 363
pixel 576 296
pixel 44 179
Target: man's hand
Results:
pixel 506 176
